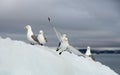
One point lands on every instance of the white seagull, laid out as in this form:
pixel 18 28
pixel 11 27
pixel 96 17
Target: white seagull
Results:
pixel 30 35
pixel 63 45
pixel 41 38
pixel 88 53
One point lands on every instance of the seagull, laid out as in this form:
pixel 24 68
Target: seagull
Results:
pixel 88 53
pixel 63 45
pixel 41 38
pixel 30 35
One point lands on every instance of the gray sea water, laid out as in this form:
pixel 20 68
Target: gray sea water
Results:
pixel 111 60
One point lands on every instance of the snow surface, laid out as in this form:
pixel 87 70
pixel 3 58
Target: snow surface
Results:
pixel 19 58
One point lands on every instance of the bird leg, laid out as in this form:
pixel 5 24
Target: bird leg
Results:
pixel 62 51
pixel 57 49
pixel 41 44
pixel 32 43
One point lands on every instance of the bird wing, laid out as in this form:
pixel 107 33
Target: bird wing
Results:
pixel 92 57
pixel 75 51
pixel 35 38
pixel 45 39
pixel 58 34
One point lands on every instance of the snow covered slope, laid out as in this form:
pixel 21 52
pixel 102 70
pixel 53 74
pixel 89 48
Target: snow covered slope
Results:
pixel 19 58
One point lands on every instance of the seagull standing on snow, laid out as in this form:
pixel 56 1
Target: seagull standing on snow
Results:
pixel 30 36
pixel 88 53
pixel 63 45
pixel 41 38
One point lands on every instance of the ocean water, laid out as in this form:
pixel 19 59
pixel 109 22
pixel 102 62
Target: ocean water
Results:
pixel 111 60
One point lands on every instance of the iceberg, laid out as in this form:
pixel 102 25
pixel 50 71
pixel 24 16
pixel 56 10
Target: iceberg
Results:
pixel 20 58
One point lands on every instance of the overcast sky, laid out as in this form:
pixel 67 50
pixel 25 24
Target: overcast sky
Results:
pixel 87 22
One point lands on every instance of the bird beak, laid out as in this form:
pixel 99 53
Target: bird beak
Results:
pixel 25 28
